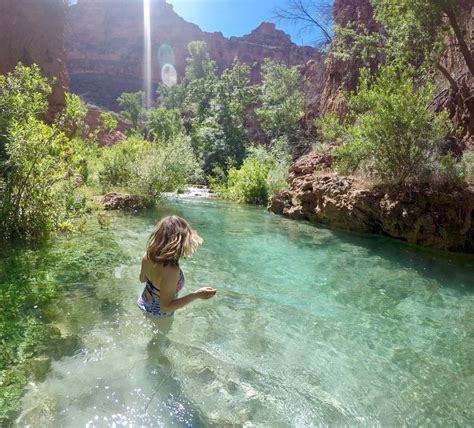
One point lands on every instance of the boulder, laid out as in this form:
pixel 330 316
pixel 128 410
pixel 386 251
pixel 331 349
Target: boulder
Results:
pixel 126 202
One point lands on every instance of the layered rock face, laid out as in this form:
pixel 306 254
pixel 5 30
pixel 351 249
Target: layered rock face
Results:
pixel 104 44
pixel 32 32
pixel 436 217
pixel 343 75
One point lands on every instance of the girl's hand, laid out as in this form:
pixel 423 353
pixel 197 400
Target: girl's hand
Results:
pixel 205 293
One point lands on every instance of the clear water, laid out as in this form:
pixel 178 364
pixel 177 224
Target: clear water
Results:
pixel 310 327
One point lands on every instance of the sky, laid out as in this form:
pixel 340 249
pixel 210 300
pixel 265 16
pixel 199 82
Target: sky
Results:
pixel 237 17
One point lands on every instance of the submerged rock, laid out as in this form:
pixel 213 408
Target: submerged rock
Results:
pixel 39 367
pixel 123 201
pixel 434 216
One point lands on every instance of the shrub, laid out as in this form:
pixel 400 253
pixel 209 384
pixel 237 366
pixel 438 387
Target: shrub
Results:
pixel 164 167
pixel 248 184
pixel 262 173
pixel 393 134
pixel 115 163
pixel 132 104
pixel 38 159
pixel 148 169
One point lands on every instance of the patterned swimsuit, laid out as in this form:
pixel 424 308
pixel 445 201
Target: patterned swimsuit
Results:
pixel 152 307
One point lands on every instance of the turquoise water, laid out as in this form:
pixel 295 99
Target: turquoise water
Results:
pixel 310 327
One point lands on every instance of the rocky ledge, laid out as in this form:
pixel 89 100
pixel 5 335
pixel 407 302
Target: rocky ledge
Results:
pixel 126 202
pixel 439 217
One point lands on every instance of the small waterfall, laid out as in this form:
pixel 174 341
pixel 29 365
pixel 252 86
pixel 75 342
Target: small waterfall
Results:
pixel 147 53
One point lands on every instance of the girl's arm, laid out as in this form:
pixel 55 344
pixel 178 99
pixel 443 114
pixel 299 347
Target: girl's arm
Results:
pixel 142 273
pixel 168 302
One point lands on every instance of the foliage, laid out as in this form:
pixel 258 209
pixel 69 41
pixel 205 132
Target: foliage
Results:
pixel 132 104
pixel 247 184
pixel 72 120
pixel 164 167
pixel 114 169
pixel 108 121
pixel 200 75
pixel 281 99
pixel 277 178
pixel 222 134
pixel 416 29
pixel 164 124
pixel 147 169
pixel 23 94
pixel 261 174
pixel 172 97
pixel 413 32
pixel 392 133
pixel 39 159
pixel 356 41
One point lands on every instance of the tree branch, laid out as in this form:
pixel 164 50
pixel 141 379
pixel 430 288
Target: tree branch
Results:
pixel 463 47
pixel 445 73
pixel 299 11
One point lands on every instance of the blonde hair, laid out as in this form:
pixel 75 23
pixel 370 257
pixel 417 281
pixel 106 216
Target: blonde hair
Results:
pixel 172 239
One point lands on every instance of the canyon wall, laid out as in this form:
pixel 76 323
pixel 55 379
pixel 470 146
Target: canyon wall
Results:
pixel 343 75
pixel 32 31
pixel 104 44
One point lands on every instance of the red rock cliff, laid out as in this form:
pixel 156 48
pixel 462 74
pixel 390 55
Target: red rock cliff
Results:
pixel 32 31
pixel 104 44
pixel 343 75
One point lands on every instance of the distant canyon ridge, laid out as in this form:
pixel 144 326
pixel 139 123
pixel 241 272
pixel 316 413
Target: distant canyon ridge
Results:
pixel 104 47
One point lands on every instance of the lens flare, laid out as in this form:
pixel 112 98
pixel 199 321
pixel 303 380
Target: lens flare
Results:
pixel 147 72
pixel 169 76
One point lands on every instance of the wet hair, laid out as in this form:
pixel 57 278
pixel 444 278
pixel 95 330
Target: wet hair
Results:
pixel 172 239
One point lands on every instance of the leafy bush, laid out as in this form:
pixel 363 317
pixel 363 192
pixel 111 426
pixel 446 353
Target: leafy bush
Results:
pixel 148 169
pixel 164 167
pixel 38 159
pixel 392 132
pixel 262 173
pixel 115 162
pixel 248 184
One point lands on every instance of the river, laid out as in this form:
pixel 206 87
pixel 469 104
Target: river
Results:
pixel 310 327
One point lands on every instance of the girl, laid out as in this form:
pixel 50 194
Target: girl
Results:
pixel 171 240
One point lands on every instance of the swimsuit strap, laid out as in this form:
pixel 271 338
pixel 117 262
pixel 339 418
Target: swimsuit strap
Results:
pixel 151 288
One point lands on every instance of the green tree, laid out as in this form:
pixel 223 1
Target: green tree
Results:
pixel 225 130
pixel 281 99
pixel 417 31
pixel 162 123
pixel 172 97
pixel 200 76
pixel 133 110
